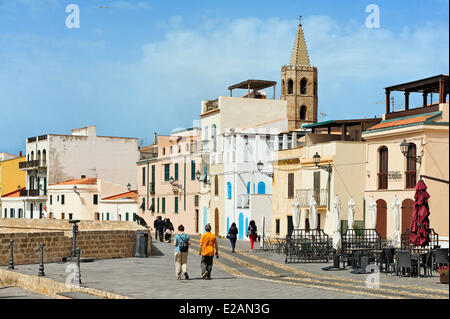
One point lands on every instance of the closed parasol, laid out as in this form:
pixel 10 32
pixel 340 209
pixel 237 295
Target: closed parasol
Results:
pixel 337 222
pixel 312 213
pixel 351 212
pixel 420 225
pixel 296 213
pixel 372 213
pixel 396 237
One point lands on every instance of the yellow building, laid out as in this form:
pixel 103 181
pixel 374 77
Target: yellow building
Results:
pixel 10 175
pixel 391 173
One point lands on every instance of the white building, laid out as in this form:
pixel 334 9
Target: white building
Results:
pixel 121 206
pixel 54 158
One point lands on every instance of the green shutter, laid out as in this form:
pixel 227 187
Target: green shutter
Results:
pixel 62 199
pixel 134 217
pixel 193 170
pixel 158 204
pixel 176 171
pixel 176 204
pixel 166 172
pixel 126 216
pixel 107 216
pixel 163 204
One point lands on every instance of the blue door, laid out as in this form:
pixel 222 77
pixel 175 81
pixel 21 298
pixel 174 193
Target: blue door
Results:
pixel 241 226
pixel 248 188
pixel 205 217
pixel 261 188
pixel 228 223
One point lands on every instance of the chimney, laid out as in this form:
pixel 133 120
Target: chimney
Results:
pixel 155 138
pixel 20 153
pixel 83 176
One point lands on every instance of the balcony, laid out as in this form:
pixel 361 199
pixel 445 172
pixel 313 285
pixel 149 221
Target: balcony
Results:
pixel 321 197
pixel 31 192
pixel 31 164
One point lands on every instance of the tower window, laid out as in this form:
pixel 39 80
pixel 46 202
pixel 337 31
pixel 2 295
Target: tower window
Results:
pixel 303 113
pixel 303 84
pixel 290 86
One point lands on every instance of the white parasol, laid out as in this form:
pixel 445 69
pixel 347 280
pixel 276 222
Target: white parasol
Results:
pixel 337 222
pixel 396 240
pixel 295 213
pixel 372 213
pixel 351 212
pixel 313 213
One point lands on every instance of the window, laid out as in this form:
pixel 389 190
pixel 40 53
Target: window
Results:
pixel 134 217
pixel 163 204
pixel 153 205
pixel 192 170
pixel 196 198
pixel 57 198
pixel 261 188
pixel 143 176
pixel 176 204
pixel 40 210
pixel 62 199
pixel 107 216
pixel 248 188
pixel 291 185
pixel 31 210
pixel 103 216
pixel 290 86
pixel 158 204
pixel 176 171
pixel 277 226
pixel 11 213
pixel 303 112
pixel 96 216
pixel 282 87
pixel 216 185
pixel 51 199
pixel 246 148
pixel 152 185
pixel 95 199
pixel 20 212
pixel 383 168
pixel 127 216
pixel 166 172
pixel 411 166
pixel 164 151
pixel 229 190
pixel 62 216
pixel 6 212
pixel 213 136
pixel 303 84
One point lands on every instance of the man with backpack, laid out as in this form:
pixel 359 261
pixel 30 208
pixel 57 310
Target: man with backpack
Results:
pixel 181 243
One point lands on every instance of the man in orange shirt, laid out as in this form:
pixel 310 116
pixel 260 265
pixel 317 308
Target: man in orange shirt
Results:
pixel 208 242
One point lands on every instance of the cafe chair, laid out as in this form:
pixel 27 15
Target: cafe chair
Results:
pixel 404 263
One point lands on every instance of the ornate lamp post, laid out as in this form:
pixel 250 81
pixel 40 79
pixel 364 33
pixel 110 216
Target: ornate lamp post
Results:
pixel 316 160
pixel 260 166
pixel 404 148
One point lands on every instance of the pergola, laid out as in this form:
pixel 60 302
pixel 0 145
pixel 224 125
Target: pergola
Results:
pixel 436 84
pixel 254 85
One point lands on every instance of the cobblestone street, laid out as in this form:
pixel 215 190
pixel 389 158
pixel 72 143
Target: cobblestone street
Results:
pixel 240 275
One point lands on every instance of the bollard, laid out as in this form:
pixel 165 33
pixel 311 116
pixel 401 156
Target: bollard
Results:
pixel 11 254
pixel 41 261
pixel 78 252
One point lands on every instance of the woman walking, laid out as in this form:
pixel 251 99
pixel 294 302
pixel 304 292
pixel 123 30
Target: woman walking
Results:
pixel 181 243
pixel 251 233
pixel 168 230
pixel 232 236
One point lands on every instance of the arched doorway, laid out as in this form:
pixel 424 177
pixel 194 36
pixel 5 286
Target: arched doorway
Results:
pixel 241 226
pixel 381 218
pixel 407 209
pixel 216 222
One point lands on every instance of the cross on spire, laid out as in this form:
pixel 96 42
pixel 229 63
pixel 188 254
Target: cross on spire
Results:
pixel 299 19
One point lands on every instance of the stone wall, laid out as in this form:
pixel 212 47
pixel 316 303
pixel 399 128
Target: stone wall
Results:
pixel 97 239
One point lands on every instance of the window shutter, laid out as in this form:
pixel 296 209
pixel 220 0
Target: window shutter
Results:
pixel 290 185
pixel 176 204
pixel 193 170
pixel 176 171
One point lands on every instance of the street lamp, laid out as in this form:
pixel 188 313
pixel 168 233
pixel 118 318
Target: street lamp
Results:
pixel 260 167
pixel 171 180
pixel 129 186
pixel 404 146
pixel 75 188
pixel 316 160
pixel 198 175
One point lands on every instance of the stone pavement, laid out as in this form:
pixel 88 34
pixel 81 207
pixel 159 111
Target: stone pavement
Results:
pixel 19 293
pixel 240 275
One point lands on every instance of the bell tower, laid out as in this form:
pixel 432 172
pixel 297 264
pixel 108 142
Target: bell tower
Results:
pixel 299 84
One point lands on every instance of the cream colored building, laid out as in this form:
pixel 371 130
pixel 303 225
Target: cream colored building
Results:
pixel 389 173
pixel 121 206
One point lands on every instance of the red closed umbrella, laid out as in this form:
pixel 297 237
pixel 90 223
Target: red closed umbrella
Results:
pixel 420 224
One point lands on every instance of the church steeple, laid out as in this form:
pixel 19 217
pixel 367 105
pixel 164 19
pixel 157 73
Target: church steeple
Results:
pixel 300 51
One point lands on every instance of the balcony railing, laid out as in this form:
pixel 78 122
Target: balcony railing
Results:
pixel 33 164
pixel 148 154
pixel 31 192
pixel 321 197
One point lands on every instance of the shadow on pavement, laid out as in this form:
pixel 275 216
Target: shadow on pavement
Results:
pixel 155 252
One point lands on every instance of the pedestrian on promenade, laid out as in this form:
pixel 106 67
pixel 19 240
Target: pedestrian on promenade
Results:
pixel 251 233
pixel 168 230
pixel 208 242
pixel 181 243
pixel 161 229
pixel 232 236
pixel 156 226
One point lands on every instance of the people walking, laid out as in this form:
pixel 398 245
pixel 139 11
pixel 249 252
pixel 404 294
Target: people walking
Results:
pixel 156 226
pixel 161 225
pixel 181 243
pixel 208 243
pixel 168 230
pixel 251 233
pixel 232 236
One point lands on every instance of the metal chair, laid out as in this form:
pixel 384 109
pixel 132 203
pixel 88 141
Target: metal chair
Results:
pixel 440 258
pixel 404 263
pixel 426 263
pixel 387 259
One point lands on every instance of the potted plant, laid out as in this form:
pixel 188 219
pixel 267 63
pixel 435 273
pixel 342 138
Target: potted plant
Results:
pixel 443 272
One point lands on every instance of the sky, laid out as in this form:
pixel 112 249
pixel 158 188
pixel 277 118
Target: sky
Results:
pixel 138 67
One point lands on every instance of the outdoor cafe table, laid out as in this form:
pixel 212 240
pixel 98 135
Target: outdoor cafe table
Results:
pixel 362 252
pixel 416 256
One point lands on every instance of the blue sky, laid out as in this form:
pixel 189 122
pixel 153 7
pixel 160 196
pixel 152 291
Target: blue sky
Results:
pixel 144 66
